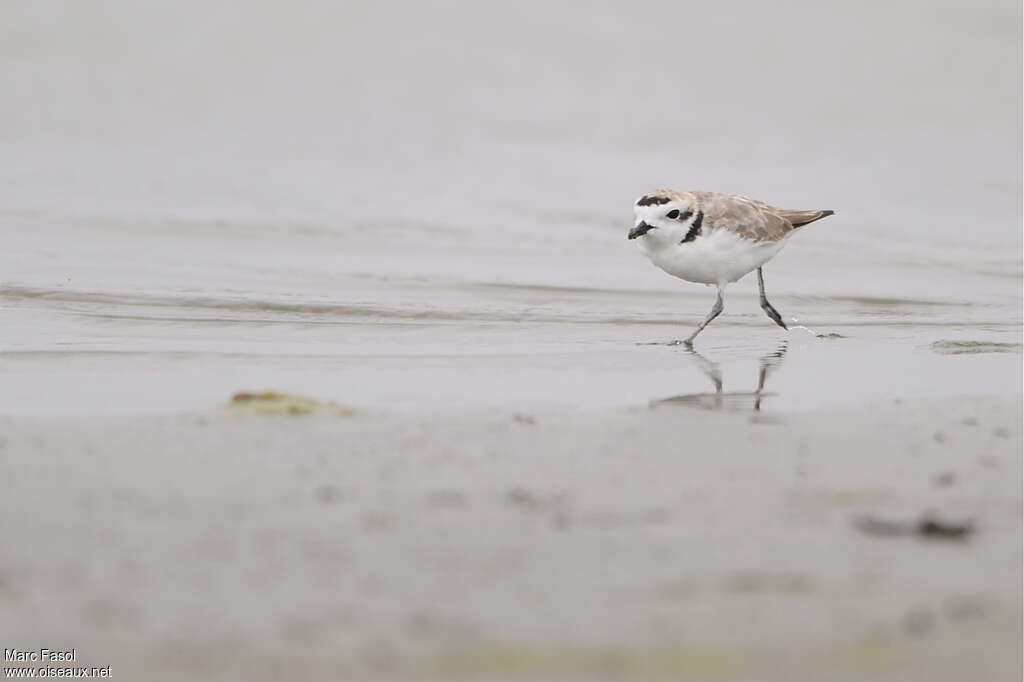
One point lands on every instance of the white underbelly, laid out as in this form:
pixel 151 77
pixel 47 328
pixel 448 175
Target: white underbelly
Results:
pixel 719 257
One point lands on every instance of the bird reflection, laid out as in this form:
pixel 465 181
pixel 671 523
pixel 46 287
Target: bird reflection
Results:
pixel 737 401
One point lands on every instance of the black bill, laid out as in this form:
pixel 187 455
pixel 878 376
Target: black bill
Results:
pixel 640 230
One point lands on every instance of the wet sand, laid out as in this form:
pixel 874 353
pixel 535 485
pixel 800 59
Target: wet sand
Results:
pixel 419 210
pixel 659 542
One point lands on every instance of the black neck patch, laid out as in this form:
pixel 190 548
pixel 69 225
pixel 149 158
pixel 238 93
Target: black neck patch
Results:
pixel 652 200
pixel 694 229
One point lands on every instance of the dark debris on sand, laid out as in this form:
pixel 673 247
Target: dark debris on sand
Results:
pixel 927 527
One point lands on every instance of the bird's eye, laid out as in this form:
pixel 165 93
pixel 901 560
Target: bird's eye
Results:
pixel 673 214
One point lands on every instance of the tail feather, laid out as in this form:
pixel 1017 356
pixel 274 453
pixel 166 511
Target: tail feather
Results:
pixel 801 218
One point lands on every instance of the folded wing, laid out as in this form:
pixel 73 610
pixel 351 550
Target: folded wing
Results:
pixel 801 218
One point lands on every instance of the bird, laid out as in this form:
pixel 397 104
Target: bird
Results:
pixel 715 238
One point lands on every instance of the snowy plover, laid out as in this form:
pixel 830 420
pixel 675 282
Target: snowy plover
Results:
pixel 713 238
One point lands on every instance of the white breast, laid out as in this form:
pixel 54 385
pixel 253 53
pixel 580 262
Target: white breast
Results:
pixel 716 257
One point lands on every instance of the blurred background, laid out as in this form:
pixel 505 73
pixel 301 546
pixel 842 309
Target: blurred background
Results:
pixel 294 180
pixel 419 210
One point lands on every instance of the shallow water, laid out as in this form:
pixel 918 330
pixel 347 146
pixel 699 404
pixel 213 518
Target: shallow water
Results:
pixel 192 208
pixel 115 338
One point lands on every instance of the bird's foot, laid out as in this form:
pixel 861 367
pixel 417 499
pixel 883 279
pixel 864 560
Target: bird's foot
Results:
pixel 773 314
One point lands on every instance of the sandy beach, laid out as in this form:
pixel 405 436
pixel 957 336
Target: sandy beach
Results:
pixel 661 542
pixel 489 463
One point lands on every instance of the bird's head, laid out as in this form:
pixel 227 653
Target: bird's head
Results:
pixel 664 216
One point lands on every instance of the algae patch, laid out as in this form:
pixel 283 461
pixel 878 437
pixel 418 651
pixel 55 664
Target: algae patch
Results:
pixel 272 402
pixel 973 347
pixel 528 661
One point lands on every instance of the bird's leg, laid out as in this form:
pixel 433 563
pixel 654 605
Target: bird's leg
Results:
pixel 767 307
pixel 716 310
